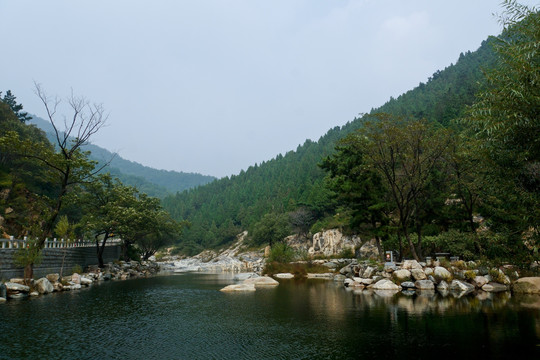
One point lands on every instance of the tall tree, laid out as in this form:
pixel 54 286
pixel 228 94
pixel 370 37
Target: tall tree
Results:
pixel 506 118
pixel 405 153
pixel 68 164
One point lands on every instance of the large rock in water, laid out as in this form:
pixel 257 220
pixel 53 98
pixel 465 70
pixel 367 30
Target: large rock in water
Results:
pixel 261 281
pixel 441 274
pixel 385 284
pixel 402 275
pixel 461 286
pixel 239 287
pixel 494 287
pixel 14 287
pixel 332 242
pixel 424 285
pixel 43 286
pixel 527 285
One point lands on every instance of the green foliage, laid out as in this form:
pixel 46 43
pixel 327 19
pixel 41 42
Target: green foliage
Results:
pixel 282 253
pixel 455 242
pixel 30 254
pixel 469 275
pixel 346 253
pixel 505 118
pixel 9 99
pixel 77 269
pixel 272 229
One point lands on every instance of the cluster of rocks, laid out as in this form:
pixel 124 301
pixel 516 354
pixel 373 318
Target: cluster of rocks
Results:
pixel 249 282
pixel 461 278
pixel 20 288
pixel 232 259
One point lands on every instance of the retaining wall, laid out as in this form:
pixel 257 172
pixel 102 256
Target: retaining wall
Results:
pixel 52 260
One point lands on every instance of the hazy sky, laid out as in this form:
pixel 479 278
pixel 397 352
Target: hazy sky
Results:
pixel 216 86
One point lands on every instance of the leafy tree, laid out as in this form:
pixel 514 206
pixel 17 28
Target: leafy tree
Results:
pixel 405 155
pixel 358 187
pixel 271 229
pixel 67 165
pixel 506 119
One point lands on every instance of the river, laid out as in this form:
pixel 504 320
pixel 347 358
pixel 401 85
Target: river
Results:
pixel 186 317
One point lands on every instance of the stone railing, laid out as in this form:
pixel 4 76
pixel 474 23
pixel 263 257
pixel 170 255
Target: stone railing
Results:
pixel 12 243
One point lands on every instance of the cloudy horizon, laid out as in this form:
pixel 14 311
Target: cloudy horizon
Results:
pixel 213 87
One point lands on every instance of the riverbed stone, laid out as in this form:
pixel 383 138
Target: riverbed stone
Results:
pixel 418 274
pixel 441 273
pixel 479 281
pixel 76 278
pixel 17 281
pixel 411 264
pixel 402 275
pixel 12 287
pixel 368 272
pixel 339 277
pixel 461 286
pixel 86 281
pixel 407 285
pixel 443 286
pixel 428 271
pixel 385 284
pixel 527 285
pixel 239 287
pixel 261 281
pixel 53 277
pixel 424 285
pixel 320 276
pixel 57 286
pixel 494 287
pixel 284 276
pixel 43 286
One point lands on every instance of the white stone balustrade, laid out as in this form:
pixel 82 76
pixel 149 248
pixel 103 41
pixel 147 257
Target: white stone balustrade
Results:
pixel 13 243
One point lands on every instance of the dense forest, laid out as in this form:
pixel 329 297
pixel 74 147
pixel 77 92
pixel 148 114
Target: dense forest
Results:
pixel 478 196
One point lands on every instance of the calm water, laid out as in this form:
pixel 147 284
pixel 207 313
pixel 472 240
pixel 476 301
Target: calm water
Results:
pixel 186 317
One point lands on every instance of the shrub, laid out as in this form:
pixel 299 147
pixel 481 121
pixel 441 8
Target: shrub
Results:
pixel 281 253
pixel 347 253
pixel 469 275
pixel 77 269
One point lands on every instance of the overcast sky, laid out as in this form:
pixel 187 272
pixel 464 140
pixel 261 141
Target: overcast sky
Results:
pixel 216 86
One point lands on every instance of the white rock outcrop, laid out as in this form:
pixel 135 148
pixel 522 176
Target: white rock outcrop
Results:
pixel 332 242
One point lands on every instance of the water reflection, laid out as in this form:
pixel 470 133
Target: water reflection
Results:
pixel 186 316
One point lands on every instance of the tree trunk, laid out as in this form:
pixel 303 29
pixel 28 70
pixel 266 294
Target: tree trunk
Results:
pixel 101 249
pixel 379 247
pixel 411 245
pixel 419 241
pixel 28 273
pixel 400 246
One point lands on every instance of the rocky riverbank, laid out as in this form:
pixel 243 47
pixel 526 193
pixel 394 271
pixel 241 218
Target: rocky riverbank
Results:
pixel 233 259
pixel 19 288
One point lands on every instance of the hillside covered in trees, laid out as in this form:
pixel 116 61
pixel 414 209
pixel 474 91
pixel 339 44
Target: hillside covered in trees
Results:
pixel 311 188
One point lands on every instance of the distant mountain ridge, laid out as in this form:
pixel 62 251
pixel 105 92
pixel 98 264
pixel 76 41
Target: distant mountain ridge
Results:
pixel 154 182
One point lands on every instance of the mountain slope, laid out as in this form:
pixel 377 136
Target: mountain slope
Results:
pixel 152 181
pixel 223 208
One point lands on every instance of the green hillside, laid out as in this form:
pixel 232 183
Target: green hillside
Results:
pixel 292 181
